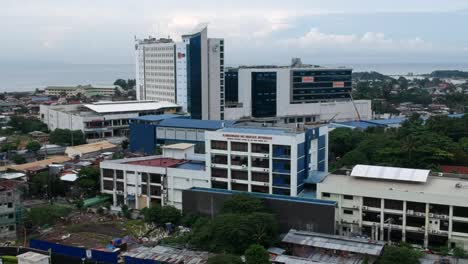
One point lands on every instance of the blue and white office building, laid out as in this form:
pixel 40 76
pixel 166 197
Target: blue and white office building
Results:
pixel 148 133
pixel 268 160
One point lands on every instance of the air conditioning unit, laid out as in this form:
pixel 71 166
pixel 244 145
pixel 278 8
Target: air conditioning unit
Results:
pixel 364 208
pixel 265 155
pixel 244 166
pixel 431 215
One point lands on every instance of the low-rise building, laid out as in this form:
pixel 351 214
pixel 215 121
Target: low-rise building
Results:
pixel 84 90
pixel 90 150
pixel 101 119
pixel 398 204
pixel 154 180
pixel 10 200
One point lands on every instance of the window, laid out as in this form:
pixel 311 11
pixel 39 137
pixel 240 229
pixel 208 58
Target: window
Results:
pixel 155 190
pixel 219 185
pixel 260 148
pixel 348 212
pixel 119 174
pixel 260 177
pixel 10 205
pixel 327 195
pixel 109 185
pixel 155 178
pixel 108 173
pixel 239 146
pixel 216 144
pixel 348 197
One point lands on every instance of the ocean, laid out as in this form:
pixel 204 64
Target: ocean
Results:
pixel 29 76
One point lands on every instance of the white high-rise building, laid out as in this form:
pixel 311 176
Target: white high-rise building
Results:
pixel 189 73
pixel 155 70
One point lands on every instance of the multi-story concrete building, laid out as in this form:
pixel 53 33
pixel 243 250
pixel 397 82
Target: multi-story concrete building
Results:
pixel 190 73
pixel 154 180
pixel 102 119
pixel 294 94
pixel 155 70
pixel 149 133
pixel 85 90
pixel 265 159
pixel 9 205
pixel 397 204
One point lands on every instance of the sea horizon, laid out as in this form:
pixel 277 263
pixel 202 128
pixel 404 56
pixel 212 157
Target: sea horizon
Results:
pixel 26 76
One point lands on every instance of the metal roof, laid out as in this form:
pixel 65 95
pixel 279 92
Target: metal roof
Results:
pixel 390 173
pixel 71 177
pixel 318 240
pixel 152 118
pixel 195 123
pixel 262 131
pixel 128 106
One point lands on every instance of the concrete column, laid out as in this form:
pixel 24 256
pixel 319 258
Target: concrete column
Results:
pixel 137 203
pixel 229 164
pixel 270 161
pixel 426 227
pixel 382 201
pixel 360 204
pixel 114 193
pixel 450 228
pixel 125 187
pixel 403 234
pixel 340 212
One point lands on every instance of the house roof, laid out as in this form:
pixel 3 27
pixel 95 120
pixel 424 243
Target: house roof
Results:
pixel 347 244
pixel 390 173
pixel 39 163
pixel 91 147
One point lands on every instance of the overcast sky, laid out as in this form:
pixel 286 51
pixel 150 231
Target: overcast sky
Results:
pixel 319 31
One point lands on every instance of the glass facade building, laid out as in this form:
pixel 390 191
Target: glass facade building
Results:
pixel 310 86
pixel 263 94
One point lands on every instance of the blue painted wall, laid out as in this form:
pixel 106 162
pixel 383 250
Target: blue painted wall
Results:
pixel 142 138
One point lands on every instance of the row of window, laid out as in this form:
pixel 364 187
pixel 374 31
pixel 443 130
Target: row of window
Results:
pixel 239 146
pixel 245 188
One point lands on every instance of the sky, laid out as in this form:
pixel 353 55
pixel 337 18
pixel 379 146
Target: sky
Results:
pixel 255 31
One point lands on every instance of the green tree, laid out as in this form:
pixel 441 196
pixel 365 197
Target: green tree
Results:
pixel 67 137
pixel 25 125
pixel 459 252
pixel 46 215
pixel 18 159
pixel 256 254
pixel 161 215
pixel 122 83
pixel 79 204
pixel 89 181
pixel 225 259
pixel 125 144
pixel 126 211
pixel 33 146
pixel 400 255
pixel 43 184
pixel 243 204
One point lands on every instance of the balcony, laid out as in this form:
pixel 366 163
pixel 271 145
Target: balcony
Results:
pixel 219 159
pixel 260 163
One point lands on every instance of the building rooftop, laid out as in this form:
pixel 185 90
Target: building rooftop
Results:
pixel 12 175
pixel 179 146
pixel 169 255
pixel 129 106
pixel 39 164
pixel 157 162
pixel 9 184
pixel 191 165
pixel 390 173
pixel 267 196
pixel 154 118
pixel 261 130
pixel 92 147
pixel 451 188
pixel 333 242
pixel 69 177
pixel 195 123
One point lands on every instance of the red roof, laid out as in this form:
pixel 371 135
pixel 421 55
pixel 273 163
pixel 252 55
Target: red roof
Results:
pixel 9 184
pixel 454 169
pixel 158 162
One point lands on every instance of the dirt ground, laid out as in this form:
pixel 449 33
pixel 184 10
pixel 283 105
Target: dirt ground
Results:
pixel 86 230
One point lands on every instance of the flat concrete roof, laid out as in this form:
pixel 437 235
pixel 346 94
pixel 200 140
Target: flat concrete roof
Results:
pixel 179 146
pixel 157 162
pixel 129 106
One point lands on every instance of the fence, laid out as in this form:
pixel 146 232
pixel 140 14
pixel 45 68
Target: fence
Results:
pixel 82 253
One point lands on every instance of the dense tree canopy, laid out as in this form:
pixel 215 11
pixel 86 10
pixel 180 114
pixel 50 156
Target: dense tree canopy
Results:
pixel 161 215
pixel 88 181
pixel 26 124
pixel 225 259
pixel 440 140
pixel 33 146
pixel 67 137
pixel 244 221
pixel 400 255
pixel 256 254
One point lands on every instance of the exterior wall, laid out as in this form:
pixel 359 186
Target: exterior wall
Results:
pixel 9 201
pixel 215 79
pixel 416 217
pixel 181 75
pixel 290 213
pixel 155 73
pixel 169 186
pixel 338 110
pixel 250 156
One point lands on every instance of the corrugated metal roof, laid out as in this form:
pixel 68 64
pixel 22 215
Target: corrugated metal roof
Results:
pixel 129 106
pixel 153 118
pixel 195 123
pixel 390 173
pixel 355 245
pixel 262 131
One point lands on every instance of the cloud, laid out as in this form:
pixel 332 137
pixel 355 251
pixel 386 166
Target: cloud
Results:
pixel 375 41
